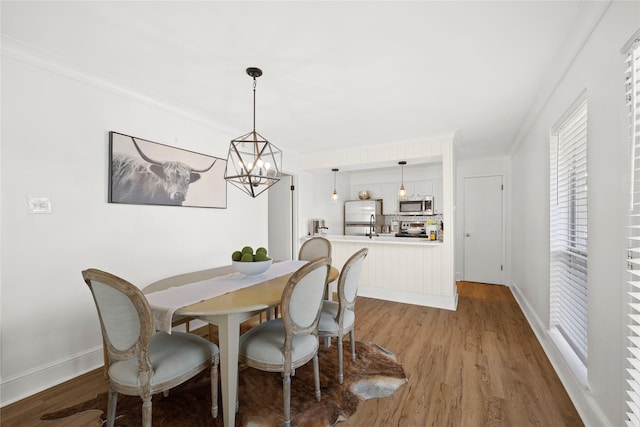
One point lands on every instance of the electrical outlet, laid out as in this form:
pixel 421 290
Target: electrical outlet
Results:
pixel 39 205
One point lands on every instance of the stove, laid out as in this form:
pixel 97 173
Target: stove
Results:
pixel 405 225
pixel 405 234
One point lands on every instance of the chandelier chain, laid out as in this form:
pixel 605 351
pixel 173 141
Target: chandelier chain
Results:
pixel 254 103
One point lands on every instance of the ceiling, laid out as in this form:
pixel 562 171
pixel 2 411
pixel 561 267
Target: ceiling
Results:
pixel 336 74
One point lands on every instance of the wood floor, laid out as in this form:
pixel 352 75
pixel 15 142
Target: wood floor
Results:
pixel 478 366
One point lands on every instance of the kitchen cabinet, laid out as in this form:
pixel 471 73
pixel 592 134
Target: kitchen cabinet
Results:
pixel 422 188
pixel 388 191
pixel 390 198
pixel 375 191
pixel 437 195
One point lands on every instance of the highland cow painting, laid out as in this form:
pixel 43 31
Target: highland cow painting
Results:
pixel 143 172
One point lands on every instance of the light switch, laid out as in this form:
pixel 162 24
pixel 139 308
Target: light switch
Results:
pixel 39 205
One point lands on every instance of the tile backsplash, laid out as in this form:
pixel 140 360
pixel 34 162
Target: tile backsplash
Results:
pixel 414 218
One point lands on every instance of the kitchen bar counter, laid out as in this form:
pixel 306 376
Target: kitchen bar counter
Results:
pixel 411 270
pixel 383 238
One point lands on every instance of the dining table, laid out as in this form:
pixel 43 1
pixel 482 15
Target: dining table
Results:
pixel 227 311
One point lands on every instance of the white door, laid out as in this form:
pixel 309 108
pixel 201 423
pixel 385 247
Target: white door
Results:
pixel 483 242
pixel 281 219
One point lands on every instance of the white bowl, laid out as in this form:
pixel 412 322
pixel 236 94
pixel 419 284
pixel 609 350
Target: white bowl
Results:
pixel 414 230
pixel 252 268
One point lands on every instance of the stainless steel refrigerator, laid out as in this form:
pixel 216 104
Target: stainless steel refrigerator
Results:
pixel 363 217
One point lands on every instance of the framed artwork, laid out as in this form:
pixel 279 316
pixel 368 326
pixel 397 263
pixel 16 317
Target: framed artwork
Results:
pixel 143 172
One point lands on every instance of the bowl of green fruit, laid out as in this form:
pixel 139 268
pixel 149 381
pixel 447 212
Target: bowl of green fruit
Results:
pixel 247 262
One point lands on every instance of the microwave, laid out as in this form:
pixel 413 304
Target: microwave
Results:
pixel 422 206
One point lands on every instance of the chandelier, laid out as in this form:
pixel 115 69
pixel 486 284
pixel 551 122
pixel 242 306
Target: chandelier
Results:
pixel 253 163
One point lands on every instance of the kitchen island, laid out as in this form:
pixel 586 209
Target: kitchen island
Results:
pixel 403 269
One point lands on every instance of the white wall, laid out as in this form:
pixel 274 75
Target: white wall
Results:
pixel 55 144
pixel 598 70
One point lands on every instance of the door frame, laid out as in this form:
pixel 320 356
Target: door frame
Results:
pixel 505 201
pixel 294 213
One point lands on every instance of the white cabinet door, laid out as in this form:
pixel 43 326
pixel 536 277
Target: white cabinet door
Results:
pixel 437 195
pixel 390 198
pixel 409 188
pixel 375 191
pixel 422 188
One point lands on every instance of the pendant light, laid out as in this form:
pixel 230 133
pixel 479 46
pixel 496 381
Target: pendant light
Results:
pixel 334 195
pixel 253 163
pixel 402 194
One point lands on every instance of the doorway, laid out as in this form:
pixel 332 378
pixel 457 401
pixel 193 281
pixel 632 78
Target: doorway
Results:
pixel 281 219
pixel 483 229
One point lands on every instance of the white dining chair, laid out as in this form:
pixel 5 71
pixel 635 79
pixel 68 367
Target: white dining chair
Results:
pixel 313 248
pixel 143 362
pixel 338 318
pixel 286 343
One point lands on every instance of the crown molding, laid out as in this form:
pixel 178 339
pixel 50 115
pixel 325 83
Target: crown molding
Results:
pixel 589 17
pixel 22 52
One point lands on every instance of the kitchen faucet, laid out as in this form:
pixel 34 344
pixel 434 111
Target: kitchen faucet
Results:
pixel 371 226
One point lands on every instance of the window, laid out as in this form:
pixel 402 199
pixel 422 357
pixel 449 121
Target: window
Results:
pixel 632 99
pixel 568 234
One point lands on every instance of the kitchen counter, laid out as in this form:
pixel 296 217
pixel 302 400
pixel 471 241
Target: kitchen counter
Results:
pixel 411 270
pixel 381 238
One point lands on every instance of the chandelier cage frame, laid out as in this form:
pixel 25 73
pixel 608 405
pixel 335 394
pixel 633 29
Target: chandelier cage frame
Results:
pixel 253 163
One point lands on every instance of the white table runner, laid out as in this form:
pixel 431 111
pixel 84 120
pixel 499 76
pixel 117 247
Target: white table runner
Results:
pixel 164 303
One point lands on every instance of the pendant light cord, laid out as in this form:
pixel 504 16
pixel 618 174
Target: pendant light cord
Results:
pixel 254 103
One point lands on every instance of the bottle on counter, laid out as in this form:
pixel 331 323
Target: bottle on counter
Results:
pixel 432 228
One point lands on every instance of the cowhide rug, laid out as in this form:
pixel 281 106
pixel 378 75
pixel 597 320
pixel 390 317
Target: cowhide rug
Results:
pixel 374 374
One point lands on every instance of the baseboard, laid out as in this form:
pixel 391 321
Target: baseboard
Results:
pixel 436 301
pixel 41 378
pixel 586 406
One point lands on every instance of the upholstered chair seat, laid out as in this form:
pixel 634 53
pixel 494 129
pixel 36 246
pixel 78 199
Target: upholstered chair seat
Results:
pixel 263 344
pixel 166 361
pixel 328 316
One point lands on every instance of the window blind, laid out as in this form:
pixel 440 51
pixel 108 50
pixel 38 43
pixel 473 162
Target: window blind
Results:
pixel 632 99
pixel 568 230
